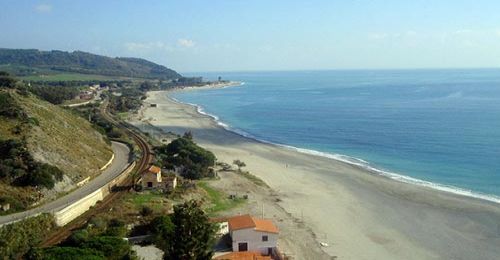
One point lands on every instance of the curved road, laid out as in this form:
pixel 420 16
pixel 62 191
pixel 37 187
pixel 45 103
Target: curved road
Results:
pixel 120 163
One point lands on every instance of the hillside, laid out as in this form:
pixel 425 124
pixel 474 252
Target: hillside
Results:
pixel 35 132
pixel 31 62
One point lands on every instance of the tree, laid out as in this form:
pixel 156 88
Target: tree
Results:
pixel 78 237
pixel 193 235
pixel 111 247
pixel 6 81
pixel 183 152
pixel 240 164
pixel 163 234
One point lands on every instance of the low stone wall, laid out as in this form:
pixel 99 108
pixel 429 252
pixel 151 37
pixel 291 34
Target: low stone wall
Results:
pixel 109 162
pixel 70 212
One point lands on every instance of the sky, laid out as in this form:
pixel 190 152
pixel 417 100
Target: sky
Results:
pixel 234 35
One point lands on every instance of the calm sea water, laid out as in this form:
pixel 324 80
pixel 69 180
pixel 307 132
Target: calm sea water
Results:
pixel 437 127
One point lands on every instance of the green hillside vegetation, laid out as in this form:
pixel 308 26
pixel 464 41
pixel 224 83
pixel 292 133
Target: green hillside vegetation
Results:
pixel 19 237
pixel 41 142
pixel 31 62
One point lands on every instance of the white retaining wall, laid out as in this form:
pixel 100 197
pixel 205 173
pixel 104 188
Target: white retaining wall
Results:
pixel 70 212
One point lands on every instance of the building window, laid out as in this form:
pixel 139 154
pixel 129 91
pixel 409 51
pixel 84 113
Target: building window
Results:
pixel 150 184
pixel 264 238
pixel 242 247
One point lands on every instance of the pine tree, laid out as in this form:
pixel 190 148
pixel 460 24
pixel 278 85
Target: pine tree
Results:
pixel 194 234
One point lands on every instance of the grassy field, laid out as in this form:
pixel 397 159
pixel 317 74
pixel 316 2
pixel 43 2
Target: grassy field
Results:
pixel 152 199
pixel 219 201
pixel 46 74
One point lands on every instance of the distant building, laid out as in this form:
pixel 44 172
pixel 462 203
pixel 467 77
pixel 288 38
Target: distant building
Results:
pixel 253 234
pixel 86 96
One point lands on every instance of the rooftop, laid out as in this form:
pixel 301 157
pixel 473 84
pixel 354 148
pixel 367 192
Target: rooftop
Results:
pixel 247 221
pixel 154 169
pixel 243 256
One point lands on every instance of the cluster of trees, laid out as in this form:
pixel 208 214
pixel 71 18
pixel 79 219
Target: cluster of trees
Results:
pixel 101 240
pixel 6 81
pixel 76 83
pixel 186 234
pixel 55 94
pixel 184 153
pixel 130 99
pixel 86 63
pixel 148 86
pixel 18 167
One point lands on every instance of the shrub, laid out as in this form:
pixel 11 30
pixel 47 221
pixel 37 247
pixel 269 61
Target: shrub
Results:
pixel 19 167
pixel 54 253
pixel 78 237
pixel 111 247
pixel 23 235
pixel 116 228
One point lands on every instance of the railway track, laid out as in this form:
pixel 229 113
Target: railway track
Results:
pixel 60 234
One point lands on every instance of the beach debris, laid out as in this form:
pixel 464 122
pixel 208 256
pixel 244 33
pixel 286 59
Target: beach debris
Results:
pixel 323 244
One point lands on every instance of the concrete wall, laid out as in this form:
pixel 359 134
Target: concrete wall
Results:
pixel 65 215
pixel 70 212
pixel 254 240
pixel 109 162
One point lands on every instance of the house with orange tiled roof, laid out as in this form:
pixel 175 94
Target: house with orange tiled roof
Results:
pixel 253 234
pixel 152 179
pixel 243 256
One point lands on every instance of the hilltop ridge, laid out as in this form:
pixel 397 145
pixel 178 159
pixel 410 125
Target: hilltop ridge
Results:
pixel 29 62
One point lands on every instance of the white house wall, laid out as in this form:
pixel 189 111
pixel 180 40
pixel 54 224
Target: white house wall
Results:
pixel 254 240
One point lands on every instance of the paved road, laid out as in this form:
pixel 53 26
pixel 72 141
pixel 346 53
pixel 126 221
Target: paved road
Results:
pixel 119 164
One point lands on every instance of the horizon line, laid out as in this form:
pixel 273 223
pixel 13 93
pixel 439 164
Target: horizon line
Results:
pixel 343 69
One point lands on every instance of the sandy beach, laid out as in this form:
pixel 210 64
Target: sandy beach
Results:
pixel 359 214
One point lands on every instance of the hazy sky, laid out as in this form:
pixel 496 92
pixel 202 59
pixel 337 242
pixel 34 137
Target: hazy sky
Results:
pixel 212 35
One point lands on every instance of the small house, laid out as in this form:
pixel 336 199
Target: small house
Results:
pixel 151 178
pixel 253 234
pixel 154 179
pixel 243 256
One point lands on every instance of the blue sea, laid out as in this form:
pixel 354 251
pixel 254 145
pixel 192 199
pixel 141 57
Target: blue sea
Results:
pixel 438 128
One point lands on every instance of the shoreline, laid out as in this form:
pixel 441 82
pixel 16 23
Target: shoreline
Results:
pixel 217 85
pixel 371 211
pixel 357 162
